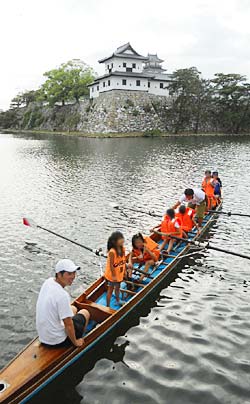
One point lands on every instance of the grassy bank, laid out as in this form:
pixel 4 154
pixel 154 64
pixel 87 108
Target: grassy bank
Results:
pixel 114 135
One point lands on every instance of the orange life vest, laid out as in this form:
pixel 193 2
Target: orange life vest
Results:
pixel 209 191
pixel 186 219
pixel 168 226
pixel 208 187
pixel 119 266
pixel 152 246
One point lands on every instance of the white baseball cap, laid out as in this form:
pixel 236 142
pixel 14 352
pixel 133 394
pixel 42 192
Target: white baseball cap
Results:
pixel 66 265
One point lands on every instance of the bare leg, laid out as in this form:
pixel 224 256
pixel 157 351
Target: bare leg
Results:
pixel 109 294
pixel 117 293
pixel 163 245
pixel 74 309
pixel 200 220
pixel 146 268
pixel 170 245
pixel 86 314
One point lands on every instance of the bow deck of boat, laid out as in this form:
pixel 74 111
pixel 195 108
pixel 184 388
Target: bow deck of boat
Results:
pixel 37 365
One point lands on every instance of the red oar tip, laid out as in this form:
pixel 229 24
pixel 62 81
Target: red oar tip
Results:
pixel 26 222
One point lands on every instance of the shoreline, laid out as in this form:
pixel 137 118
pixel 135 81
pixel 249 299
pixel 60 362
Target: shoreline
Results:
pixel 114 134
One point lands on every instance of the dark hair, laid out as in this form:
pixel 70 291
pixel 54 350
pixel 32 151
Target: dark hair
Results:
pixel 137 237
pixel 112 241
pixel 61 272
pixel 182 209
pixel 171 213
pixel 189 191
pixel 208 172
pixel 215 173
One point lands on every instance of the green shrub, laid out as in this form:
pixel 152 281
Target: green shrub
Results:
pixel 32 118
pixel 135 112
pixel 152 132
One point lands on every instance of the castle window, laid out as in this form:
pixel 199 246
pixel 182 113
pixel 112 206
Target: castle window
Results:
pixel 134 65
pixel 161 85
pixel 108 82
pixel 138 83
pixel 103 84
pixel 124 82
pixel 97 88
pixel 124 64
pixel 128 69
pixel 112 65
pixel 92 89
pixel 148 84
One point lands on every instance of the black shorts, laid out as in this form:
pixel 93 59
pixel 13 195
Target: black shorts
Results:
pixel 79 322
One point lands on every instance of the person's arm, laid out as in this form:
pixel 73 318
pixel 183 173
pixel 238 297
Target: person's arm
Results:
pixel 70 331
pixel 111 261
pixel 152 255
pixel 155 228
pixel 176 205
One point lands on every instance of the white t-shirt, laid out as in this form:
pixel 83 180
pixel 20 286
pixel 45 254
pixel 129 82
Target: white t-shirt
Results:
pixel 53 305
pixel 199 196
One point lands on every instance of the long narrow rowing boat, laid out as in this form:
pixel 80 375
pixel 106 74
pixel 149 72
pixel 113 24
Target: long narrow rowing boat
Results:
pixel 36 366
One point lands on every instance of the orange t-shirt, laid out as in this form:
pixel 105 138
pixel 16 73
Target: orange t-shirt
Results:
pixel 119 266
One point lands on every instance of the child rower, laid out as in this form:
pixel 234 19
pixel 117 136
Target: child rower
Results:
pixel 207 186
pixel 217 186
pixel 115 266
pixel 186 217
pixel 145 251
pixel 170 226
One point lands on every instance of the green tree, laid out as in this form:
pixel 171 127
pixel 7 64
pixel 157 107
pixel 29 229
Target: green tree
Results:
pixel 188 91
pixel 24 99
pixel 67 82
pixel 231 102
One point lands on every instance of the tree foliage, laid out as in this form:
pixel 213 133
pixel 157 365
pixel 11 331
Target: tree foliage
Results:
pixel 231 102
pixel 222 103
pixel 68 82
pixel 24 99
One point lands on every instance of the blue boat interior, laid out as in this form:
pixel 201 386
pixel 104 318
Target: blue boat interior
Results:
pixel 153 272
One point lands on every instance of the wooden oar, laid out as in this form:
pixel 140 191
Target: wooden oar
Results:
pixel 31 223
pixel 220 212
pixel 205 245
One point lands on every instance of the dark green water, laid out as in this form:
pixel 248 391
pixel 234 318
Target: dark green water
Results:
pixel 193 345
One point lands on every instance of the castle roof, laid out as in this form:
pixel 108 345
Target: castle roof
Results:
pixel 125 51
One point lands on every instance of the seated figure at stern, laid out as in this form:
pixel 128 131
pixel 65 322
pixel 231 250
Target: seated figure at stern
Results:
pixel 116 265
pixel 58 323
pixel 145 251
pixel 186 217
pixel 170 226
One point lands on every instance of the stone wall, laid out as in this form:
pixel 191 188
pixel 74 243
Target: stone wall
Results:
pixel 123 111
pixel 116 111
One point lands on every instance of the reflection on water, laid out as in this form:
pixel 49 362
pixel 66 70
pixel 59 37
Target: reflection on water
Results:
pixel 192 345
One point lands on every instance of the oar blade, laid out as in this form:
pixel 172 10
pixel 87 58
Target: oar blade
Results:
pixel 29 222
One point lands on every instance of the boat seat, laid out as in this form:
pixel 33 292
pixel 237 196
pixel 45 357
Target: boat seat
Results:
pixel 97 312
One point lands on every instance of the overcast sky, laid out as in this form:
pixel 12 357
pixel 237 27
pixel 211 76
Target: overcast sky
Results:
pixel 213 35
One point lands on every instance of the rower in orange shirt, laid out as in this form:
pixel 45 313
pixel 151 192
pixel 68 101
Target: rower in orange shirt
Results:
pixel 145 251
pixel 207 186
pixel 186 217
pixel 171 226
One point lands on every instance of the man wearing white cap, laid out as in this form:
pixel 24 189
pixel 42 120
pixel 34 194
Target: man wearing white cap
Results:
pixel 58 323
